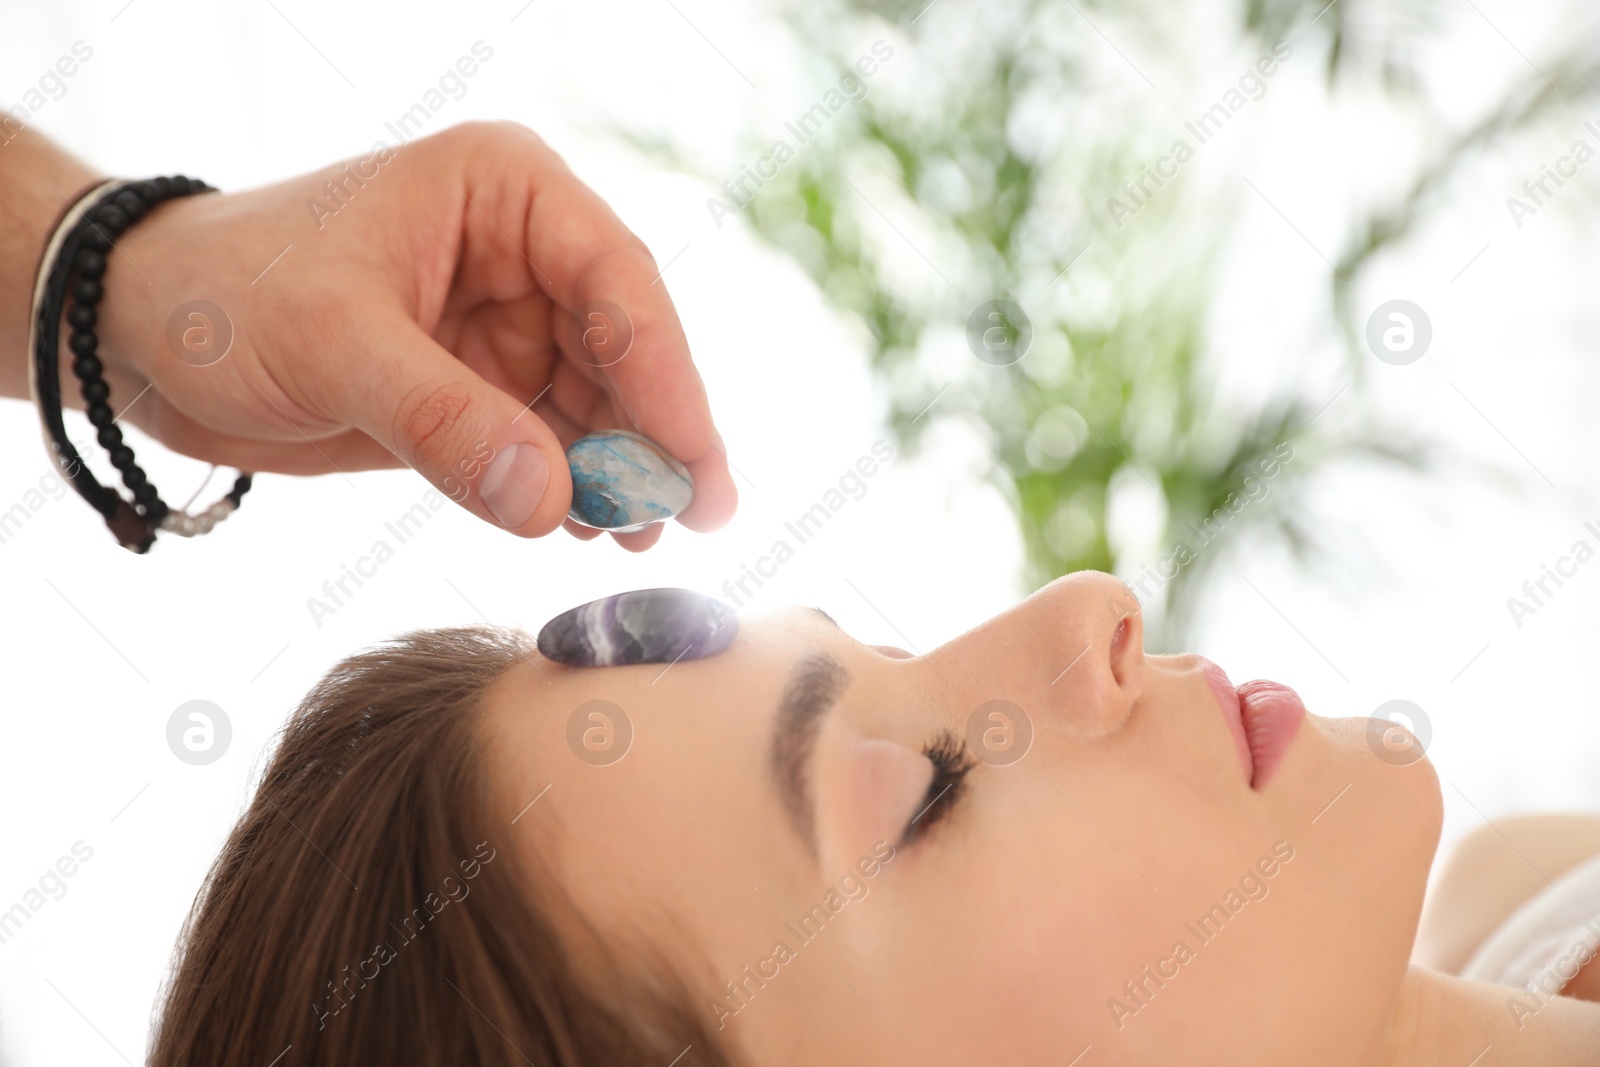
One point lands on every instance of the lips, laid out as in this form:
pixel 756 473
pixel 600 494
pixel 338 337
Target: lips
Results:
pixel 1272 714
pixel 1261 716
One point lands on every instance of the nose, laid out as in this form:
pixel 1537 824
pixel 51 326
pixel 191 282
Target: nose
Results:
pixel 1072 655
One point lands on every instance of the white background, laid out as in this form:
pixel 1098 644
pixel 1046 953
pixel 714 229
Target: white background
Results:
pixel 101 645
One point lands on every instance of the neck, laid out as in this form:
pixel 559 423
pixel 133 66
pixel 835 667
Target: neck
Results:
pixel 1446 1022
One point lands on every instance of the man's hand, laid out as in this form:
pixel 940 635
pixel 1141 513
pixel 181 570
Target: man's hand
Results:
pixel 463 305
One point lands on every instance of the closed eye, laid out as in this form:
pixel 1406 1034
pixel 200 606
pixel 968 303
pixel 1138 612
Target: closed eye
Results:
pixel 952 762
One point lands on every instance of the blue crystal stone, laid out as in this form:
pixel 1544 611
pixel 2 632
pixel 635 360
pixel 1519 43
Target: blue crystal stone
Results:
pixel 644 626
pixel 622 480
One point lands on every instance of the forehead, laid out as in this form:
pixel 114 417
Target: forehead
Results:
pixel 601 728
pixel 651 780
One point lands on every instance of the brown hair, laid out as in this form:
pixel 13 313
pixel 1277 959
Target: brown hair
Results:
pixel 362 912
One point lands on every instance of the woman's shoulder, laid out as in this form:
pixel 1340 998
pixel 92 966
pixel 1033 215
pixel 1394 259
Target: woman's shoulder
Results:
pixel 1493 871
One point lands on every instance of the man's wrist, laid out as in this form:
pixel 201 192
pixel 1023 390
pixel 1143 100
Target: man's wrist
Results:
pixel 138 283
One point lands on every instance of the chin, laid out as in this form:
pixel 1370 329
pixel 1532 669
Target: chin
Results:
pixel 1366 861
pixel 1408 791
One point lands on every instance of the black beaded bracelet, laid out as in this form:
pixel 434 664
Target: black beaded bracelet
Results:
pixel 69 281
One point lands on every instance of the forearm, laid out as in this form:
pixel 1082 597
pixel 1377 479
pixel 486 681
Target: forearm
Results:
pixel 36 178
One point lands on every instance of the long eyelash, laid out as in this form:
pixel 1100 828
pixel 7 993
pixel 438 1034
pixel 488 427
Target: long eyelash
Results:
pixel 952 761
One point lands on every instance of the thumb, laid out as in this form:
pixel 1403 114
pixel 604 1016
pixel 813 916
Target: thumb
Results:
pixel 478 445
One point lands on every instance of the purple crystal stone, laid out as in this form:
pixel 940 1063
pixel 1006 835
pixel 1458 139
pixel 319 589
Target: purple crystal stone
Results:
pixel 644 626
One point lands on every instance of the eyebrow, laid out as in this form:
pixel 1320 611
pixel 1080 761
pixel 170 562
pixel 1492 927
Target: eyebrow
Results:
pixel 814 688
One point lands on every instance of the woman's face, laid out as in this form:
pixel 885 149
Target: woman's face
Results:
pixel 777 831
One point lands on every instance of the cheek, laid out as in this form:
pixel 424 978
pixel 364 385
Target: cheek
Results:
pixel 1026 927
pixel 1017 934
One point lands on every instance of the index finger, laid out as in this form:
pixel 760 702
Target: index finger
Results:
pixel 583 256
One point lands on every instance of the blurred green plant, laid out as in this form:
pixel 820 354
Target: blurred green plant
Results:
pixel 980 181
